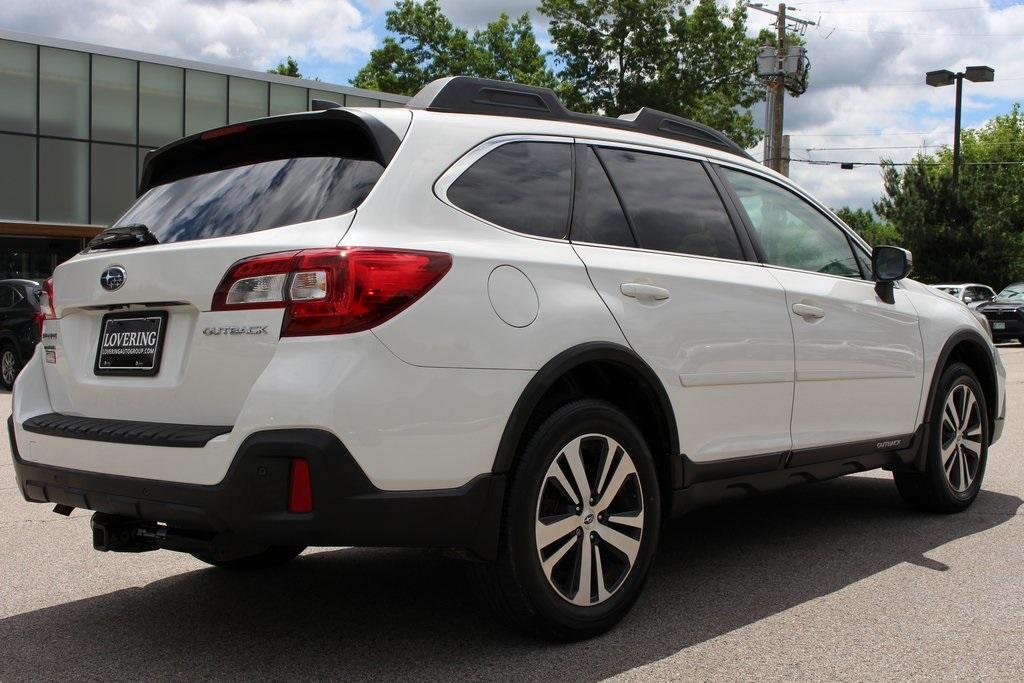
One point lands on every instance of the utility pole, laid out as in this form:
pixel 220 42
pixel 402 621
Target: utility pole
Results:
pixel 785 62
pixel 777 91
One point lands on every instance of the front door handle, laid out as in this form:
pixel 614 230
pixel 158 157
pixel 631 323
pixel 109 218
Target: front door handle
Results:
pixel 808 312
pixel 641 290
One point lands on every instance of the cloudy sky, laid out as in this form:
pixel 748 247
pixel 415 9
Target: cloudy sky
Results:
pixel 867 98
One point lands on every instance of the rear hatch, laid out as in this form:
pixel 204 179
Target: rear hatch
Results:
pixel 136 338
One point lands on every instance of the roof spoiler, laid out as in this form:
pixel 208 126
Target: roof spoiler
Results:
pixel 198 153
pixel 469 95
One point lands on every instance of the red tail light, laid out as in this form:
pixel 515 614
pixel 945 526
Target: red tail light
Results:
pixel 47 309
pixel 331 291
pixel 300 487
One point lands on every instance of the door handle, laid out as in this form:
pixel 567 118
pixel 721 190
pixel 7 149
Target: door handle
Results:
pixel 808 312
pixel 641 290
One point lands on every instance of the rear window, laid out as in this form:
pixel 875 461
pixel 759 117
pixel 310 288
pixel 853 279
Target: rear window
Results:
pixel 253 197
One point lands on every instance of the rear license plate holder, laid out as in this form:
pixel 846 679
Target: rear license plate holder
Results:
pixel 998 326
pixel 131 344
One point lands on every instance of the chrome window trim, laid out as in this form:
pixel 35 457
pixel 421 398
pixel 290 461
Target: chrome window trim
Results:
pixel 453 172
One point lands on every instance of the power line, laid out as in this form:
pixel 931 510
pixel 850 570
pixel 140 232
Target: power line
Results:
pixel 831 162
pixel 849 149
pixel 933 35
pixel 867 134
pixel 906 11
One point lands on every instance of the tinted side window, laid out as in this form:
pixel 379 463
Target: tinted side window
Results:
pixel 672 204
pixel 792 233
pixel 6 297
pixel 522 186
pixel 597 216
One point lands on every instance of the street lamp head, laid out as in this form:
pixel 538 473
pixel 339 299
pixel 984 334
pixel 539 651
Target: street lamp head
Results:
pixel 939 78
pixel 980 74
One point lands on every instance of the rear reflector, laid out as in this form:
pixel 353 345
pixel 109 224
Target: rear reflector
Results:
pixel 331 291
pixel 300 488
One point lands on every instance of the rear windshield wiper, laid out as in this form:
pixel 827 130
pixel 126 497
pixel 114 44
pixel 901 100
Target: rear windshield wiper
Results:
pixel 123 237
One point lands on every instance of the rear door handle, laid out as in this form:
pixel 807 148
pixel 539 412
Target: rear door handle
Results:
pixel 808 312
pixel 641 290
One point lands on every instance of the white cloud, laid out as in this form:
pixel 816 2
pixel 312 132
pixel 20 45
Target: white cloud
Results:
pixel 247 33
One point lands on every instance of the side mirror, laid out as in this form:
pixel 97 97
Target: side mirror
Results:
pixel 890 264
pixel 968 299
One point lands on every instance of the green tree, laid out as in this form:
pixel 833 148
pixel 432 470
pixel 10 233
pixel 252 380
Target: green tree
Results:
pixel 689 58
pixel 970 232
pixel 428 46
pixel 873 231
pixel 289 67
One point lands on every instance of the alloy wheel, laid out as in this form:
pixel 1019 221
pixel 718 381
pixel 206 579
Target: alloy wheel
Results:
pixel 7 367
pixel 961 435
pixel 589 520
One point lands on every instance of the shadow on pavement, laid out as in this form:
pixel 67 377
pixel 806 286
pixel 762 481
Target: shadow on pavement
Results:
pixel 371 613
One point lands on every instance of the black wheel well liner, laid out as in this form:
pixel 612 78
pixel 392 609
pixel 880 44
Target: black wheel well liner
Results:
pixel 593 370
pixel 971 349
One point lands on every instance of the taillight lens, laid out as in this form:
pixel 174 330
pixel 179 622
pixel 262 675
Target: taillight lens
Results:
pixel 331 291
pixel 46 301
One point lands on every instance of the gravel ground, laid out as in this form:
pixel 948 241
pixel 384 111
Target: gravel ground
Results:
pixel 838 580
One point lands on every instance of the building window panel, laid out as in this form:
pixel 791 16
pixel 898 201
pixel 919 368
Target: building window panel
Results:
pixel 63 181
pixel 113 99
pixel 18 177
pixel 113 182
pixel 286 99
pixel 206 101
pixel 336 97
pixel 389 103
pixel 18 85
pixel 357 101
pixel 161 98
pixel 63 93
pixel 248 100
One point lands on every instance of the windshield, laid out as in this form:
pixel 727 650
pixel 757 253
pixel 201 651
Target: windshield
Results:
pixel 1013 293
pixel 253 197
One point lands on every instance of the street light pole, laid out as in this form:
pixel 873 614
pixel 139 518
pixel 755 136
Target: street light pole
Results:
pixel 943 77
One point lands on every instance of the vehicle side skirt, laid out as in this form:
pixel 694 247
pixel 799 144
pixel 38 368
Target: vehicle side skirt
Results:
pixel 714 482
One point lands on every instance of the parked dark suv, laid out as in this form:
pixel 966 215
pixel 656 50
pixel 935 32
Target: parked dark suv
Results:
pixel 1005 313
pixel 19 326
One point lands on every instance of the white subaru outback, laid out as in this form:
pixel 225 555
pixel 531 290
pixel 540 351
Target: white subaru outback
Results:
pixel 487 324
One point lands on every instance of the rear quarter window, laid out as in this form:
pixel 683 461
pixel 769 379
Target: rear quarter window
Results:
pixel 522 186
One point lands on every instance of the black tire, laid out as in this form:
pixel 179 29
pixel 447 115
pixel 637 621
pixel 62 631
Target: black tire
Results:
pixel 516 585
pixel 274 556
pixel 934 490
pixel 10 365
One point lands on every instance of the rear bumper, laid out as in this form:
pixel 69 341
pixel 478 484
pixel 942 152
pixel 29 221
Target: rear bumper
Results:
pixel 250 503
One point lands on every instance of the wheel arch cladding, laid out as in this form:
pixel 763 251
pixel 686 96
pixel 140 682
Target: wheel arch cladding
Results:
pixel 970 349
pixel 606 371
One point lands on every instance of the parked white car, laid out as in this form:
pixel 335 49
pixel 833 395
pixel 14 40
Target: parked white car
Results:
pixel 486 324
pixel 971 294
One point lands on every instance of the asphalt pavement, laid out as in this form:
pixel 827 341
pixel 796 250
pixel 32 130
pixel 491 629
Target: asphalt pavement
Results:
pixel 838 580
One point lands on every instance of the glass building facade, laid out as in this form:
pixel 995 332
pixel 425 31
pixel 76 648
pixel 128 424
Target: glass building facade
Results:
pixel 76 122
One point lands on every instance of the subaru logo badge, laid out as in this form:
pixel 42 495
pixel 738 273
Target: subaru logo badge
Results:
pixel 113 278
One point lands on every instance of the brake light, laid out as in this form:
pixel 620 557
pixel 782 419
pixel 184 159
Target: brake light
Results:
pixel 331 291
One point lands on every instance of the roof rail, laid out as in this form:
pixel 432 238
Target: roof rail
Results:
pixel 469 95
